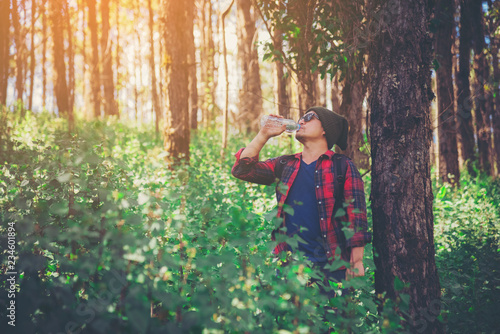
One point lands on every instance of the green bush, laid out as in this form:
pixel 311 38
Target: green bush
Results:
pixel 109 239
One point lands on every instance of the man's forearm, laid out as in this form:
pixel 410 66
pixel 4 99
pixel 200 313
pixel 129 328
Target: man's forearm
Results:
pixel 254 147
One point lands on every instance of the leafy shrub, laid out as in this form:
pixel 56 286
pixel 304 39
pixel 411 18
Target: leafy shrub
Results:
pixel 109 239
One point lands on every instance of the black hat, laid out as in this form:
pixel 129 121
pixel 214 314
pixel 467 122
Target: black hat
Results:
pixel 335 126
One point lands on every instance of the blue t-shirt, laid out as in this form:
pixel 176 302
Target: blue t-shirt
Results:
pixel 305 214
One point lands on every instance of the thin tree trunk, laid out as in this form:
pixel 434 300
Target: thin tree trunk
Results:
pixel 353 94
pixel 32 54
pixel 447 130
pixel 193 81
pixel 495 42
pixel 226 104
pixel 19 55
pixel 44 52
pixel 175 27
pixel 71 56
pixel 117 56
pixel 464 100
pixel 336 93
pixel 281 92
pixel 481 76
pixel 61 87
pixel 107 66
pixel 156 102
pixel 95 73
pixel 401 184
pixel 249 102
pixel 4 49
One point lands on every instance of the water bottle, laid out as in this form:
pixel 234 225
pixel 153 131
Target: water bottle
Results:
pixel 291 125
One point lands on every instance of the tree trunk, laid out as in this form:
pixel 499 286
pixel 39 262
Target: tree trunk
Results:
pixel 4 49
pixel 95 73
pixel 71 57
pixel 107 63
pixel 61 87
pixel 336 93
pixel 464 100
pixel 447 130
pixel 401 192
pixel 303 11
pixel 193 81
pixel 250 102
pixel 481 77
pixel 154 91
pixel 226 104
pixel 495 42
pixel 281 95
pixel 32 54
pixel 19 54
pixel 175 36
pixel 44 52
pixel 353 94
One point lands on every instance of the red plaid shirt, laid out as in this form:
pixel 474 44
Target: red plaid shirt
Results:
pixel 262 172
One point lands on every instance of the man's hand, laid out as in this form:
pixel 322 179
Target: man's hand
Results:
pixel 357 269
pixel 272 129
pixel 269 130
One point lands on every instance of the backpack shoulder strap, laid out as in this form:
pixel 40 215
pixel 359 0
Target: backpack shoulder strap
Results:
pixel 340 169
pixel 281 163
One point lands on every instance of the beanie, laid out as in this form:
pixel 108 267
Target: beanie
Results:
pixel 335 126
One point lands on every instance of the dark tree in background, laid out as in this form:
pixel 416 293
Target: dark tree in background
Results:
pixel 95 81
pixel 61 86
pixel 249 103
pixel 481 78
pixel 447 130
pixel 110 107
pixel 4 48
pixel 176 43
pixel 401 195
pixel 464 101
pixel 154 90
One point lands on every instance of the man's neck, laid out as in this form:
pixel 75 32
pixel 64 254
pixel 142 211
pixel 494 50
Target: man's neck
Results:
pixel 312 151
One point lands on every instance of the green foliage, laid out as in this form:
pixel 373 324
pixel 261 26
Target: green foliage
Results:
pixel 108 235
pixel 467 253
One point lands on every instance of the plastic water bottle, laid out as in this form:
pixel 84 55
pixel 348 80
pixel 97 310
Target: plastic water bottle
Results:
pixel 291 125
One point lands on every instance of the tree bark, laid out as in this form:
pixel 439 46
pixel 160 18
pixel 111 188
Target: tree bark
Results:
pixel 71 56
pixel 464 100
pixel 481 77
pixel 495 43
pixel 193 80
pixel 336 93
pixel 110 108
pixel 44 52
pixel 303 11
pixel 32 54
pixel 61 87
pixel 175 36
pixel 401 192
pixel 94 66
pixel 154 91
pixel 4 49
pixel 19 54
pixel 353 94
pixel 226 104
pixel 250 102
pixel 447 130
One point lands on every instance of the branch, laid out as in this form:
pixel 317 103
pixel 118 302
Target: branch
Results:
pixel 275 42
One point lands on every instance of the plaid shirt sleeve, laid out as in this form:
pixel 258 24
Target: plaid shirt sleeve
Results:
pixel 253 170
pixel 354 194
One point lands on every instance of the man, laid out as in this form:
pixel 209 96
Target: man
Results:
pixel 309 176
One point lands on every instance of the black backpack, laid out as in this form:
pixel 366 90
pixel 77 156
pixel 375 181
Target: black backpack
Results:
pixel 340 166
